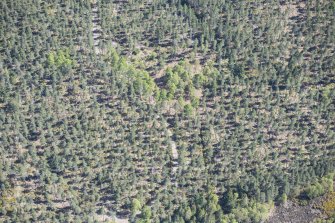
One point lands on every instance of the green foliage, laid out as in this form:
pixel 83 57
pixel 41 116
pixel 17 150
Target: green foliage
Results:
pixel 143 83
pixel 136 205
pixel 230 200
pixel 315 190
pixel 195 102
pixel 328 205
pixel 209 210
pixel 7 201
pixel 283 199
pixel 145 216
pixel 113 57
pixel 178 81
pixel 257 121
pixel 188 109
pixel 146 213
pixel 11 107
pixel 319 220
pixel 200 79
pixel 255 212
pixel 210 72
pixel 60 58
pixel 319 188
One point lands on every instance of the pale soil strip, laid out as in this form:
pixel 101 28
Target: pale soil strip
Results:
pixel 96 29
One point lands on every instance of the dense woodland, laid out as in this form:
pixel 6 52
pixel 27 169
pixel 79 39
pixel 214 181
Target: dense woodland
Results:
pixel 164 111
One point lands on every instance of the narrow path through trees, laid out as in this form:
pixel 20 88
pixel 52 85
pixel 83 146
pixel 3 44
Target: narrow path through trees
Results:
pixel 175 155
pixel 96 27
pixel 97 31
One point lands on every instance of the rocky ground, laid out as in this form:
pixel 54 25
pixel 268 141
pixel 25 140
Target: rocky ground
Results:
pixel 292 212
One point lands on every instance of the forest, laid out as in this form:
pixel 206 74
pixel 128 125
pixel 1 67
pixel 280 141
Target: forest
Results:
pixel 172 111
